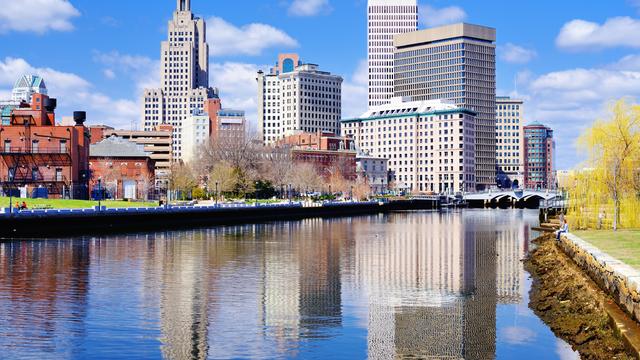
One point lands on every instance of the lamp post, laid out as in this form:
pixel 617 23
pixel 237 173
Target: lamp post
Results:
pixel 351 193
pixel 256 194
pixel 99 194
pixel 216 193
pixel 330 193
pixel 290 195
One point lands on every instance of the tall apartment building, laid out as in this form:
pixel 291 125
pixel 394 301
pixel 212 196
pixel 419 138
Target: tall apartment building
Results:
pixel 509 142
pixel 458 63
pixel 539 157
pixel 386 18
pixel 297 97
pixel 184 75
pixel 430 144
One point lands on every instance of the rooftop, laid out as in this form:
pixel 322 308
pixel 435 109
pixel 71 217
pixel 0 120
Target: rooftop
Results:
pixel 117 147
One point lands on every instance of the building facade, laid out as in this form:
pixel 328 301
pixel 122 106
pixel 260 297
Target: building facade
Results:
pixel 196 131
pixel 297 97
pixel 430 144
pixel 26 86
pixel 454 62
pixel 330 154
pixel 156 142
pixel 374 172
pixel 230 125
pixel 184 76
pixel 539 157
pixel 386 18
pixel 39 156
pixel 122 168
pixel 509 142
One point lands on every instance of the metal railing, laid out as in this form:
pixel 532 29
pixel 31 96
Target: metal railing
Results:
pixel 32 150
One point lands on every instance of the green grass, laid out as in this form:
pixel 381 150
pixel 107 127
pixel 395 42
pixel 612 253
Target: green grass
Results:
pixel 73 204
pixel 623 245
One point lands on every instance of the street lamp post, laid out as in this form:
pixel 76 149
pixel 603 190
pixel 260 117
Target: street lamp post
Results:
pixel 99 194
pixel 216 193
pixel 290 194
pixel 351 193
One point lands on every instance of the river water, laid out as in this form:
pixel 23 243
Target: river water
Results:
pixel 415 284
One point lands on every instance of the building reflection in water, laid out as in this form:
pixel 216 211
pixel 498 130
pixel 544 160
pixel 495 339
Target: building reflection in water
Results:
pixel 431 285
pixel 39 281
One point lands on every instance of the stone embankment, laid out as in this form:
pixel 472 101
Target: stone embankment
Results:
pixel 572 305
pixel 619 280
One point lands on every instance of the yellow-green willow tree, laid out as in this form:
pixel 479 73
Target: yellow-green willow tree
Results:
pixel 613 175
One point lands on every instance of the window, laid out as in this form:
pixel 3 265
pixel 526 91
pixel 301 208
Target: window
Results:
pixel 63 146
pixel 35 145
pixel 7 146
pixel 58 174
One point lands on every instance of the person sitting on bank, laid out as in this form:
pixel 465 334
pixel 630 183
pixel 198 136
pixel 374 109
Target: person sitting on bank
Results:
pixel 23 206
pixel 563 229
pixel 18 205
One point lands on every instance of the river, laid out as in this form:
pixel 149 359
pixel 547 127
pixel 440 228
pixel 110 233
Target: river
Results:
pixel 414 284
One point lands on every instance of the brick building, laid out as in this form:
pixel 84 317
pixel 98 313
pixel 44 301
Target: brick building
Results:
pixel 330 154
pixel 156 142
pixel 124 168
pixel 37 153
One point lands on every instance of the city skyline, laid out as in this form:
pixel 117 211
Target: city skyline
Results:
pixel 564 77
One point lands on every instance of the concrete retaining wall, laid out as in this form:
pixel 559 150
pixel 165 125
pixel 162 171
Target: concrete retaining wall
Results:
pixel 619 280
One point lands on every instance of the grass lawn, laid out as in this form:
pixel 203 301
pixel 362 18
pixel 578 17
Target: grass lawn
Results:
pixel 73 204
pixel 623 244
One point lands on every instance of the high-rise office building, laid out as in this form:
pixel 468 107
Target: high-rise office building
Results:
pixel 386 18
pixel 539 157
pixel 184 76
pixel 296 97
pixel 509 142
pixel 458 63
pixel 430 144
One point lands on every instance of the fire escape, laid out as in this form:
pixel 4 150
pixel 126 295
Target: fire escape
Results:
pixel 25 163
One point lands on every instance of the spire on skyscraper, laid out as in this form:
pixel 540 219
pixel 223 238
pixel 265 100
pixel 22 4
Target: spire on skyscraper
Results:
pixel 184 5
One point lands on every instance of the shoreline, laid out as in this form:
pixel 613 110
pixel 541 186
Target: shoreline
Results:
pixel 571 304
pixel 60 223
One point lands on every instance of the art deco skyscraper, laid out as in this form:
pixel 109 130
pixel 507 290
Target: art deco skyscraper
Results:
pixel 184 76
pixel 386 18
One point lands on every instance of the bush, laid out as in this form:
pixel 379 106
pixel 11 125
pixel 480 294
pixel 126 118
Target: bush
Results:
pixel 198 194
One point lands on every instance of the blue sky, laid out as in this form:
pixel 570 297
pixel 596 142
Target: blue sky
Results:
pixel 569 59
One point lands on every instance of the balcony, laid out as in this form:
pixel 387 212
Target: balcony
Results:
pixel 20 150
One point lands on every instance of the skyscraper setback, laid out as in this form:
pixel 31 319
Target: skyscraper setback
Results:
pixel 184 75
pixel 386 18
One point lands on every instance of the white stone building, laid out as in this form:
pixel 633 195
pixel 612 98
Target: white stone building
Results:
pixel 458 63
pixel 509 142
pixel 386 18
pixel 195 133
pixel 293 98
pixel 430 144
pixel 184 76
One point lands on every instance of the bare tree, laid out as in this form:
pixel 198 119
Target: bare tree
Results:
pixel 222 177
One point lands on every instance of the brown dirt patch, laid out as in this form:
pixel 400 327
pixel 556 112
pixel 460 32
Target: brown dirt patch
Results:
pixel 571 304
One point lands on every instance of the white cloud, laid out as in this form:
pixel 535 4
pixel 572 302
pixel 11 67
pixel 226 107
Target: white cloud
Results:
pixel 73 93
pixel 355 96
pixel 309 7
pixel 585 35
pixel 515 54
pixel 238 87
pixel 570 100
pixel 431 16
pixel 37 16
pixel 109 74
pixel 226 39
pixel 144 71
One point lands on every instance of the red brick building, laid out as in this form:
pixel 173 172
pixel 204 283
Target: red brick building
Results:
pixel 37 153
pixel 330 154
pixel 124 169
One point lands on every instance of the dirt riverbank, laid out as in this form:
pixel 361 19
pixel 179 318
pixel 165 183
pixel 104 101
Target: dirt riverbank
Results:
pixel 571 304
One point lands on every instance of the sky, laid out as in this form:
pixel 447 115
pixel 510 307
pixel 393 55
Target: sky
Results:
pixel 569 60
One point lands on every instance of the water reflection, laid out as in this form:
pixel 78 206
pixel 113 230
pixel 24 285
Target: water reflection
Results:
pixel 388 286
